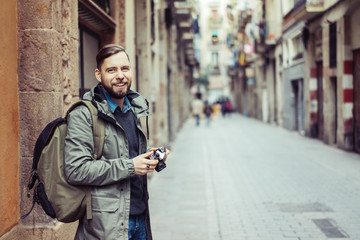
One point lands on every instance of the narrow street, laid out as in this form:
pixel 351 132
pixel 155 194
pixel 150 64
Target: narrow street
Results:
pixel 243 179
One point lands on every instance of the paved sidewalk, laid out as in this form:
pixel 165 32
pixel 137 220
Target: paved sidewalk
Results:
pixel 244 179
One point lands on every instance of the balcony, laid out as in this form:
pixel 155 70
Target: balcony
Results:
pixel 187 41
pixel 268 28
pixel 182 15
pixel 185 26
pixel 94 17
pixel 307 9
pixel 182 11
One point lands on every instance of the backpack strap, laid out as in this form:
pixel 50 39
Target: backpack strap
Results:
pixel 99 138
pixel 98 127
pixel 98 130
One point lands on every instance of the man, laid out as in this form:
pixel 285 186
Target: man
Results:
pixel 208 111
pixel 119 196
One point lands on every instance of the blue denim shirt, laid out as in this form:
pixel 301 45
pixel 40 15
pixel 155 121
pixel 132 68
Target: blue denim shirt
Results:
pixel 113 105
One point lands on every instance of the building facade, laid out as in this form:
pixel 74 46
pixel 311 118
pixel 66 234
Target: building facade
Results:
pixel 303 73
pixel 330 46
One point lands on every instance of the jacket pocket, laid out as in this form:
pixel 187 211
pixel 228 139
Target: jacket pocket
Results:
pixel 105 204
pixel 105 221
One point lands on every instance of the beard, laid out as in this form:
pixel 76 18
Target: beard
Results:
pixel 116 94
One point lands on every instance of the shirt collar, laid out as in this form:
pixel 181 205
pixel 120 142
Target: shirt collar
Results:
pixel 113 105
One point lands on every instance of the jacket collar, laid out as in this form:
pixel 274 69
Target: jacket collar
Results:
pixel 139 104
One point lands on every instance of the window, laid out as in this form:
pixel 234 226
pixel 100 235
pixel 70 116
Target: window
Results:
pixel 286 53
pixel 215 59
pixel 89 46
pixel 95 25
pixel 332 45
pixel 298 48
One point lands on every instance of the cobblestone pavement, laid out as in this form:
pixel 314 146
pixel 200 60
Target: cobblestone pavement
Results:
pixel 244 179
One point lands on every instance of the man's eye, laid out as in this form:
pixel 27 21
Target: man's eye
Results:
pixel 125 69
pixel 111 70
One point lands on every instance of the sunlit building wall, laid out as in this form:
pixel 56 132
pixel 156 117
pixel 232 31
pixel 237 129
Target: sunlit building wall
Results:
pixel 214 53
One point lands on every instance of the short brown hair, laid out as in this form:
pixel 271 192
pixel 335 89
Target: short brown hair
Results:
pixel 107 51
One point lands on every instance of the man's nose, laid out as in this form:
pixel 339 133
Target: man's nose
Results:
pixel 120 74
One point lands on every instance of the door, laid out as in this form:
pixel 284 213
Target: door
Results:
pixel 275 92
pixel 265 106
pixel 333 106
pixel 295 89
pixel 169 104
pixel 357 101
pixel 320 113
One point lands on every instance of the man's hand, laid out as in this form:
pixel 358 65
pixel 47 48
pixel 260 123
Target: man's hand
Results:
pixel 143 164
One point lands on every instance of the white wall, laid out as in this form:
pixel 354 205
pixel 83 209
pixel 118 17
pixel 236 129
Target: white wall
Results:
pixel 355 33
pixel 287 5
pixel 130 29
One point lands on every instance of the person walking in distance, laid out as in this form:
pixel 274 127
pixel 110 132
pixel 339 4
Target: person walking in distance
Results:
pixel 208 111
pixel 118 180
pixel 197 108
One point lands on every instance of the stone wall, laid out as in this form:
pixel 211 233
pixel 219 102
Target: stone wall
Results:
pixel 48 84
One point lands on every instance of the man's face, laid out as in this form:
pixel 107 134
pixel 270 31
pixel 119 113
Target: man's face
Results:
pixel 115 75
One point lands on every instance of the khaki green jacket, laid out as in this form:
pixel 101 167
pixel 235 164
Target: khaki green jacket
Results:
pixel 110 175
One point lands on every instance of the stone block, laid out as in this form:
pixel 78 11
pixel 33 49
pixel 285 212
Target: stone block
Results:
pixel 37 14
pixel 69 19
pixel 71 68
pixel 40 57
pixel 38 109
pixel 61 16
pixel 59 231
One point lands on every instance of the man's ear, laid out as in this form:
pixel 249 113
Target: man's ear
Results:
pixel 98 75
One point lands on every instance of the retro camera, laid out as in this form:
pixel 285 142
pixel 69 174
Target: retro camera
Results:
pixel 159 154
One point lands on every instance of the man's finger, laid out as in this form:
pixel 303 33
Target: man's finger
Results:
pixel 151 162
pixel 147 154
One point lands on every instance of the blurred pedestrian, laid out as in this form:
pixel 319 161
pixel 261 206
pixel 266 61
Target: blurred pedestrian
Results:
pixel 118 180
pixel 208 112
pixel 197 108
pixel 228 106
pixel 223 108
